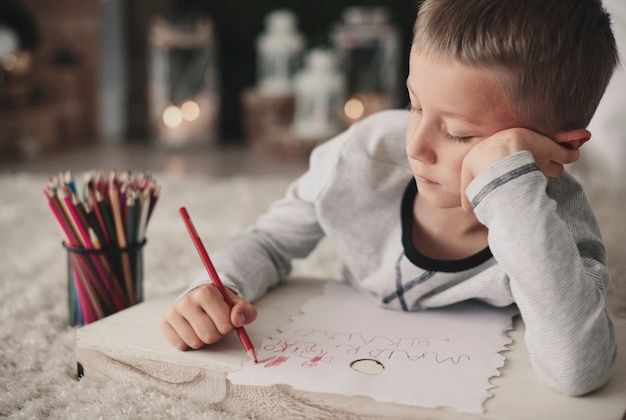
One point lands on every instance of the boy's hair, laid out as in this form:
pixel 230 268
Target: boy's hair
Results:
pixel 553 57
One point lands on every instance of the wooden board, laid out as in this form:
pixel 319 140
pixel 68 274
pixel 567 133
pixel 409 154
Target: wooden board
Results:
pixel 129 346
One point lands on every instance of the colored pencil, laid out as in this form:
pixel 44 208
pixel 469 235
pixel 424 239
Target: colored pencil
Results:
pixel 106 216
pixel 143 215
pixel 109 224
pixel 97 219
pixel 73 298
pixel 131 218
pixel 121 239
pixel 217 282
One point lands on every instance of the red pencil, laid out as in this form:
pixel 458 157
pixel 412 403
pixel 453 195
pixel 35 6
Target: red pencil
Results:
pixel 241 332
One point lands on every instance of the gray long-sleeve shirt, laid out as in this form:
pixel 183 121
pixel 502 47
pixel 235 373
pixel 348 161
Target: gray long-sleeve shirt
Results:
pixel 545 250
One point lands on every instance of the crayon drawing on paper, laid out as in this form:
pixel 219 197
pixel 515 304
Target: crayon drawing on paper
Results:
pixel 343 344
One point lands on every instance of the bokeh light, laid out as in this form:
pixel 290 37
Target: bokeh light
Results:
pixel 354 108
pixel 172 116
pixel 190 110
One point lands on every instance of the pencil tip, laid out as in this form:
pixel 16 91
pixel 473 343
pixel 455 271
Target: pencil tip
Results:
pixel 252 355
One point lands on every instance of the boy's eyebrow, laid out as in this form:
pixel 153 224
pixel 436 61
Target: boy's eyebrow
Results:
pixel 447 114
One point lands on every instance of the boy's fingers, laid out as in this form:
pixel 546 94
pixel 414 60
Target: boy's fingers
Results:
pixel 218 312
pixel 563 156
pixel 572 156
pixel 180 332
pixel 466 178
pixel 242 313
pixel 465 203
pixel 554 170
pixel 224 318
pixel 203 317
pixel 208 327
pixel 172 336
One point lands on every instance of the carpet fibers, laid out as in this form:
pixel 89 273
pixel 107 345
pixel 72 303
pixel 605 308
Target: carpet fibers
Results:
pixel 37 357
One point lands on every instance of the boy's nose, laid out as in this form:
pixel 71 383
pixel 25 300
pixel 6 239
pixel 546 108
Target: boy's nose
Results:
pixel 419 145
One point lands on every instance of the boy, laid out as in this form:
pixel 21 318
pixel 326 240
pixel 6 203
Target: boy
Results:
pixel 500 91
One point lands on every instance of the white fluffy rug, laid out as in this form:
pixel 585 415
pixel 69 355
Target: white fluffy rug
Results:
pixel 37 356
pixel 37 359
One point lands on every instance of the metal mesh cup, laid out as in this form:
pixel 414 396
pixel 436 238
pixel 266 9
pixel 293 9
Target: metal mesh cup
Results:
pixel 102 282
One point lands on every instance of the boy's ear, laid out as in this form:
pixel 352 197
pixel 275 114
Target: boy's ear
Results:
pixel 572 139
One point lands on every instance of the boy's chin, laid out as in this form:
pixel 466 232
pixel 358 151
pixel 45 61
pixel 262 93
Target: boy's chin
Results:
pixel 441 201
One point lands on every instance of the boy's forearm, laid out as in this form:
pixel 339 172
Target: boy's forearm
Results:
pixel 556 277
pixel 260 257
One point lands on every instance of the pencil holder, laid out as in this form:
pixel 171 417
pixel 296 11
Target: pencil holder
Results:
pixel 102 282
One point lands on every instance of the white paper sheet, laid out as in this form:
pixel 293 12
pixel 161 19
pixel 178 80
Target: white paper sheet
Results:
pixel 434 358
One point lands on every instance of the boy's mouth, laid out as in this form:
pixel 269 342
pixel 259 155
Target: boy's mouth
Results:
pixel 425 180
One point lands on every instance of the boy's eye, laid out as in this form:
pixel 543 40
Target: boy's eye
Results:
pixel 458 139
pixel 411 108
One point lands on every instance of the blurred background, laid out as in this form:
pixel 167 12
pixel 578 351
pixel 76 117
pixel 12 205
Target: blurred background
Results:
pixel 172 75
pixel 237 83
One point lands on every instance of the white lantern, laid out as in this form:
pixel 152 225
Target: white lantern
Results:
pixel 320 93
pixel 184 91
pixel 367 46
pixel 279 52
pixel 8 41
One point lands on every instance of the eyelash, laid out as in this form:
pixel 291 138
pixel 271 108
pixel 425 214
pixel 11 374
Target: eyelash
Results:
pixel 411 108
pixel 457 139
pixel 449 137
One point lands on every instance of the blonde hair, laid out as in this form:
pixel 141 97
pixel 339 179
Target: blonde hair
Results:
pixel 553 57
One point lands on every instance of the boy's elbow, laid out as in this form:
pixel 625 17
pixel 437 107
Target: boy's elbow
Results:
pixel 576 382
pixel 579 388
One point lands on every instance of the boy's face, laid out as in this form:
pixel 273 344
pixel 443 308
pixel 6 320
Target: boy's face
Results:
pixel 452 107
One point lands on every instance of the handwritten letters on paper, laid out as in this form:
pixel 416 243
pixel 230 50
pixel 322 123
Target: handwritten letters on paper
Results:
pixel 343 344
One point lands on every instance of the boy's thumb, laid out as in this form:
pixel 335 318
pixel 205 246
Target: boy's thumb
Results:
pixel 243 313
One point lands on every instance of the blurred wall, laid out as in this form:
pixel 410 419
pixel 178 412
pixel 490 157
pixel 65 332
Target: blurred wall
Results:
pixel 603 159
pixel 112 82
pixel 59 84
pixel 238 23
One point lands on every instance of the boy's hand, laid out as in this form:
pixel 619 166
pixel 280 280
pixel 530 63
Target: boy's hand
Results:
pixel 550 155
pixel 203 317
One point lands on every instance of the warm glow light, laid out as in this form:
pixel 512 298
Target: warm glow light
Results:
pixel 9 62
pixel 191 110
pixel 172 116
pixel 354 109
